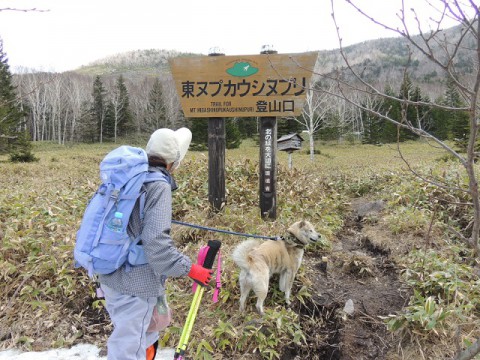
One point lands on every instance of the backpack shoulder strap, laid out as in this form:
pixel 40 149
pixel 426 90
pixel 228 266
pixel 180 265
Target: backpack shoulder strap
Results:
pixel 151 176
pixel 156 176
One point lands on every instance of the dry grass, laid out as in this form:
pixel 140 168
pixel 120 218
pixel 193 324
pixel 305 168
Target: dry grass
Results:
pixel 45 302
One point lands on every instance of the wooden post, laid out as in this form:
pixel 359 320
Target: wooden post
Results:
pixel 216 162
pixel 268 160
pixel 268 167
pixel 216 156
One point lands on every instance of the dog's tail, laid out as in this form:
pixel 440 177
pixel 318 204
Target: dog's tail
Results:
pixel 241 254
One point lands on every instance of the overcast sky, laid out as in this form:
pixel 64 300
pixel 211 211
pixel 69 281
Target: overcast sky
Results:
pixel 71 33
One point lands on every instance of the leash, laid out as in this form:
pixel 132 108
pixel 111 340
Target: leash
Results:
pixel 226 231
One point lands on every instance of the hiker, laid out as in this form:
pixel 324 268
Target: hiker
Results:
pixel 132 293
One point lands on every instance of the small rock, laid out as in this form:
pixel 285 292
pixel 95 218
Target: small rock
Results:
pixel 373 207
pixel 349 308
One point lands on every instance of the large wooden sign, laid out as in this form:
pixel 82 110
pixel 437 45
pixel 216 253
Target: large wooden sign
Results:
pixel 243 86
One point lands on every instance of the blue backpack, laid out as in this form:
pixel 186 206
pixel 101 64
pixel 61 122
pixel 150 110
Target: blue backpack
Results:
pixel 102 243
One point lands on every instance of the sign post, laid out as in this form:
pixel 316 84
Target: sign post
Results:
pixel 268 167
pixel 266 86
pixel 268 161
pixel 216 157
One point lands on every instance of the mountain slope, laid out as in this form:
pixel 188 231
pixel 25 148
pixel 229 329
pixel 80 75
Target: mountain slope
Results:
pixel 381 62
pixel 136 63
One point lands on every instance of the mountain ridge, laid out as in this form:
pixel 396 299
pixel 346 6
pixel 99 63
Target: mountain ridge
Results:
pixel 381 61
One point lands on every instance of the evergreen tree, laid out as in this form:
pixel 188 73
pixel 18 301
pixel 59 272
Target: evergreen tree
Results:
pixel 233 137
pixel 248 127
pixel 199 129
pixel 459 126
pixel 331 126
pixel 410 112
pixel 439 125
pixel 87 128
pixel 426 112
pixel 99 107
pixel 109 128
pixel 393 109
pixel 14 139
pixel 22 152
pixel 372 128
pixel 121 109
pixel 286 126
pixel 155 117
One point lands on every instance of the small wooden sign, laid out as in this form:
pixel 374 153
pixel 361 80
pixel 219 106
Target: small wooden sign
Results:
pixel 243 86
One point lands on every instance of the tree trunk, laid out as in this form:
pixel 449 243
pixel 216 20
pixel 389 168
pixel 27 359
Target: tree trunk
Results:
pixel 312 145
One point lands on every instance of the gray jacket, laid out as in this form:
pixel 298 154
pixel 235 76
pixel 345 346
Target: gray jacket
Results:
pixel 164 259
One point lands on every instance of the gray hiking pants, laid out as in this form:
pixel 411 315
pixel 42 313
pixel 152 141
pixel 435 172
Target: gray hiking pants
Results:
pixel 130 316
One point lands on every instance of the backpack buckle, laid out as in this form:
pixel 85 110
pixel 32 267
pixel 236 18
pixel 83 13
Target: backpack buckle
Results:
pixel 114 194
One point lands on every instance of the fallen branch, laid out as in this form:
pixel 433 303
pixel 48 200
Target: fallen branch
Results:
pixel 8 137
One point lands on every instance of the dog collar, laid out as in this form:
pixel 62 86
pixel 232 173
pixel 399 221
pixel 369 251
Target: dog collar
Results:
pixel 292 240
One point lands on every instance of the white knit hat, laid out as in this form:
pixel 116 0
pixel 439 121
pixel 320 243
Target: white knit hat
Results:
pixel 170 145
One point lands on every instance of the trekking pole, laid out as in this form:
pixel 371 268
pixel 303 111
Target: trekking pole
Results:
pixel 213 247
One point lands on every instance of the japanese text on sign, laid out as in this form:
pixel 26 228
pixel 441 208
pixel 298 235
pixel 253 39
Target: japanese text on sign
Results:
pixel 242 86
pixel 260 107
pixel 229 88
pixel 267 178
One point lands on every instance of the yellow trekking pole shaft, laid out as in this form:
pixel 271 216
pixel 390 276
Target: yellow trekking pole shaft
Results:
pixel 213 247
pixel 187 330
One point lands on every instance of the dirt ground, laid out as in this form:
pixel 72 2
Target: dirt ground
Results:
pixel 360 271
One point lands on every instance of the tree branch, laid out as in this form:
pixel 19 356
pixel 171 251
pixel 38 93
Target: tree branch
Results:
pixel 24 10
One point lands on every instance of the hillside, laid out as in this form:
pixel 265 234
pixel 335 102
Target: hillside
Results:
pixel 380 61
pixel 383 62
pixel 132 64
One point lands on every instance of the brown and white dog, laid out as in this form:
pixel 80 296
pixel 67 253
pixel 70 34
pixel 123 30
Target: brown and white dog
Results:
pixel 259 260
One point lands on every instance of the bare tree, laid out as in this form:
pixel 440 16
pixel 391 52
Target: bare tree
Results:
pixel 139 94
pixel 54 103
pixel 56 94
pixel 23 10
pixel 446 51
pixel 78 93
pixel 312 115
pixel 443 51
pixel 118 106
pixel 318 103
pixel 173 110
pixel 34 95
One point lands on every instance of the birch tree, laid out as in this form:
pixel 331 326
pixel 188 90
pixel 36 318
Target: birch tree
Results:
pixel 56 99
pixel 139 98
pixel 318 103
pixel 77 93
pixel 173 111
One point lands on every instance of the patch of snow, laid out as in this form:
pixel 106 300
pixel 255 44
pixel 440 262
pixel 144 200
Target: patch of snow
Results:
pixel 77 352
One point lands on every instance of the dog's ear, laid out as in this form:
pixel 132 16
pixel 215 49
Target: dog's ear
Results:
pixel 295 228
pixel 302 224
